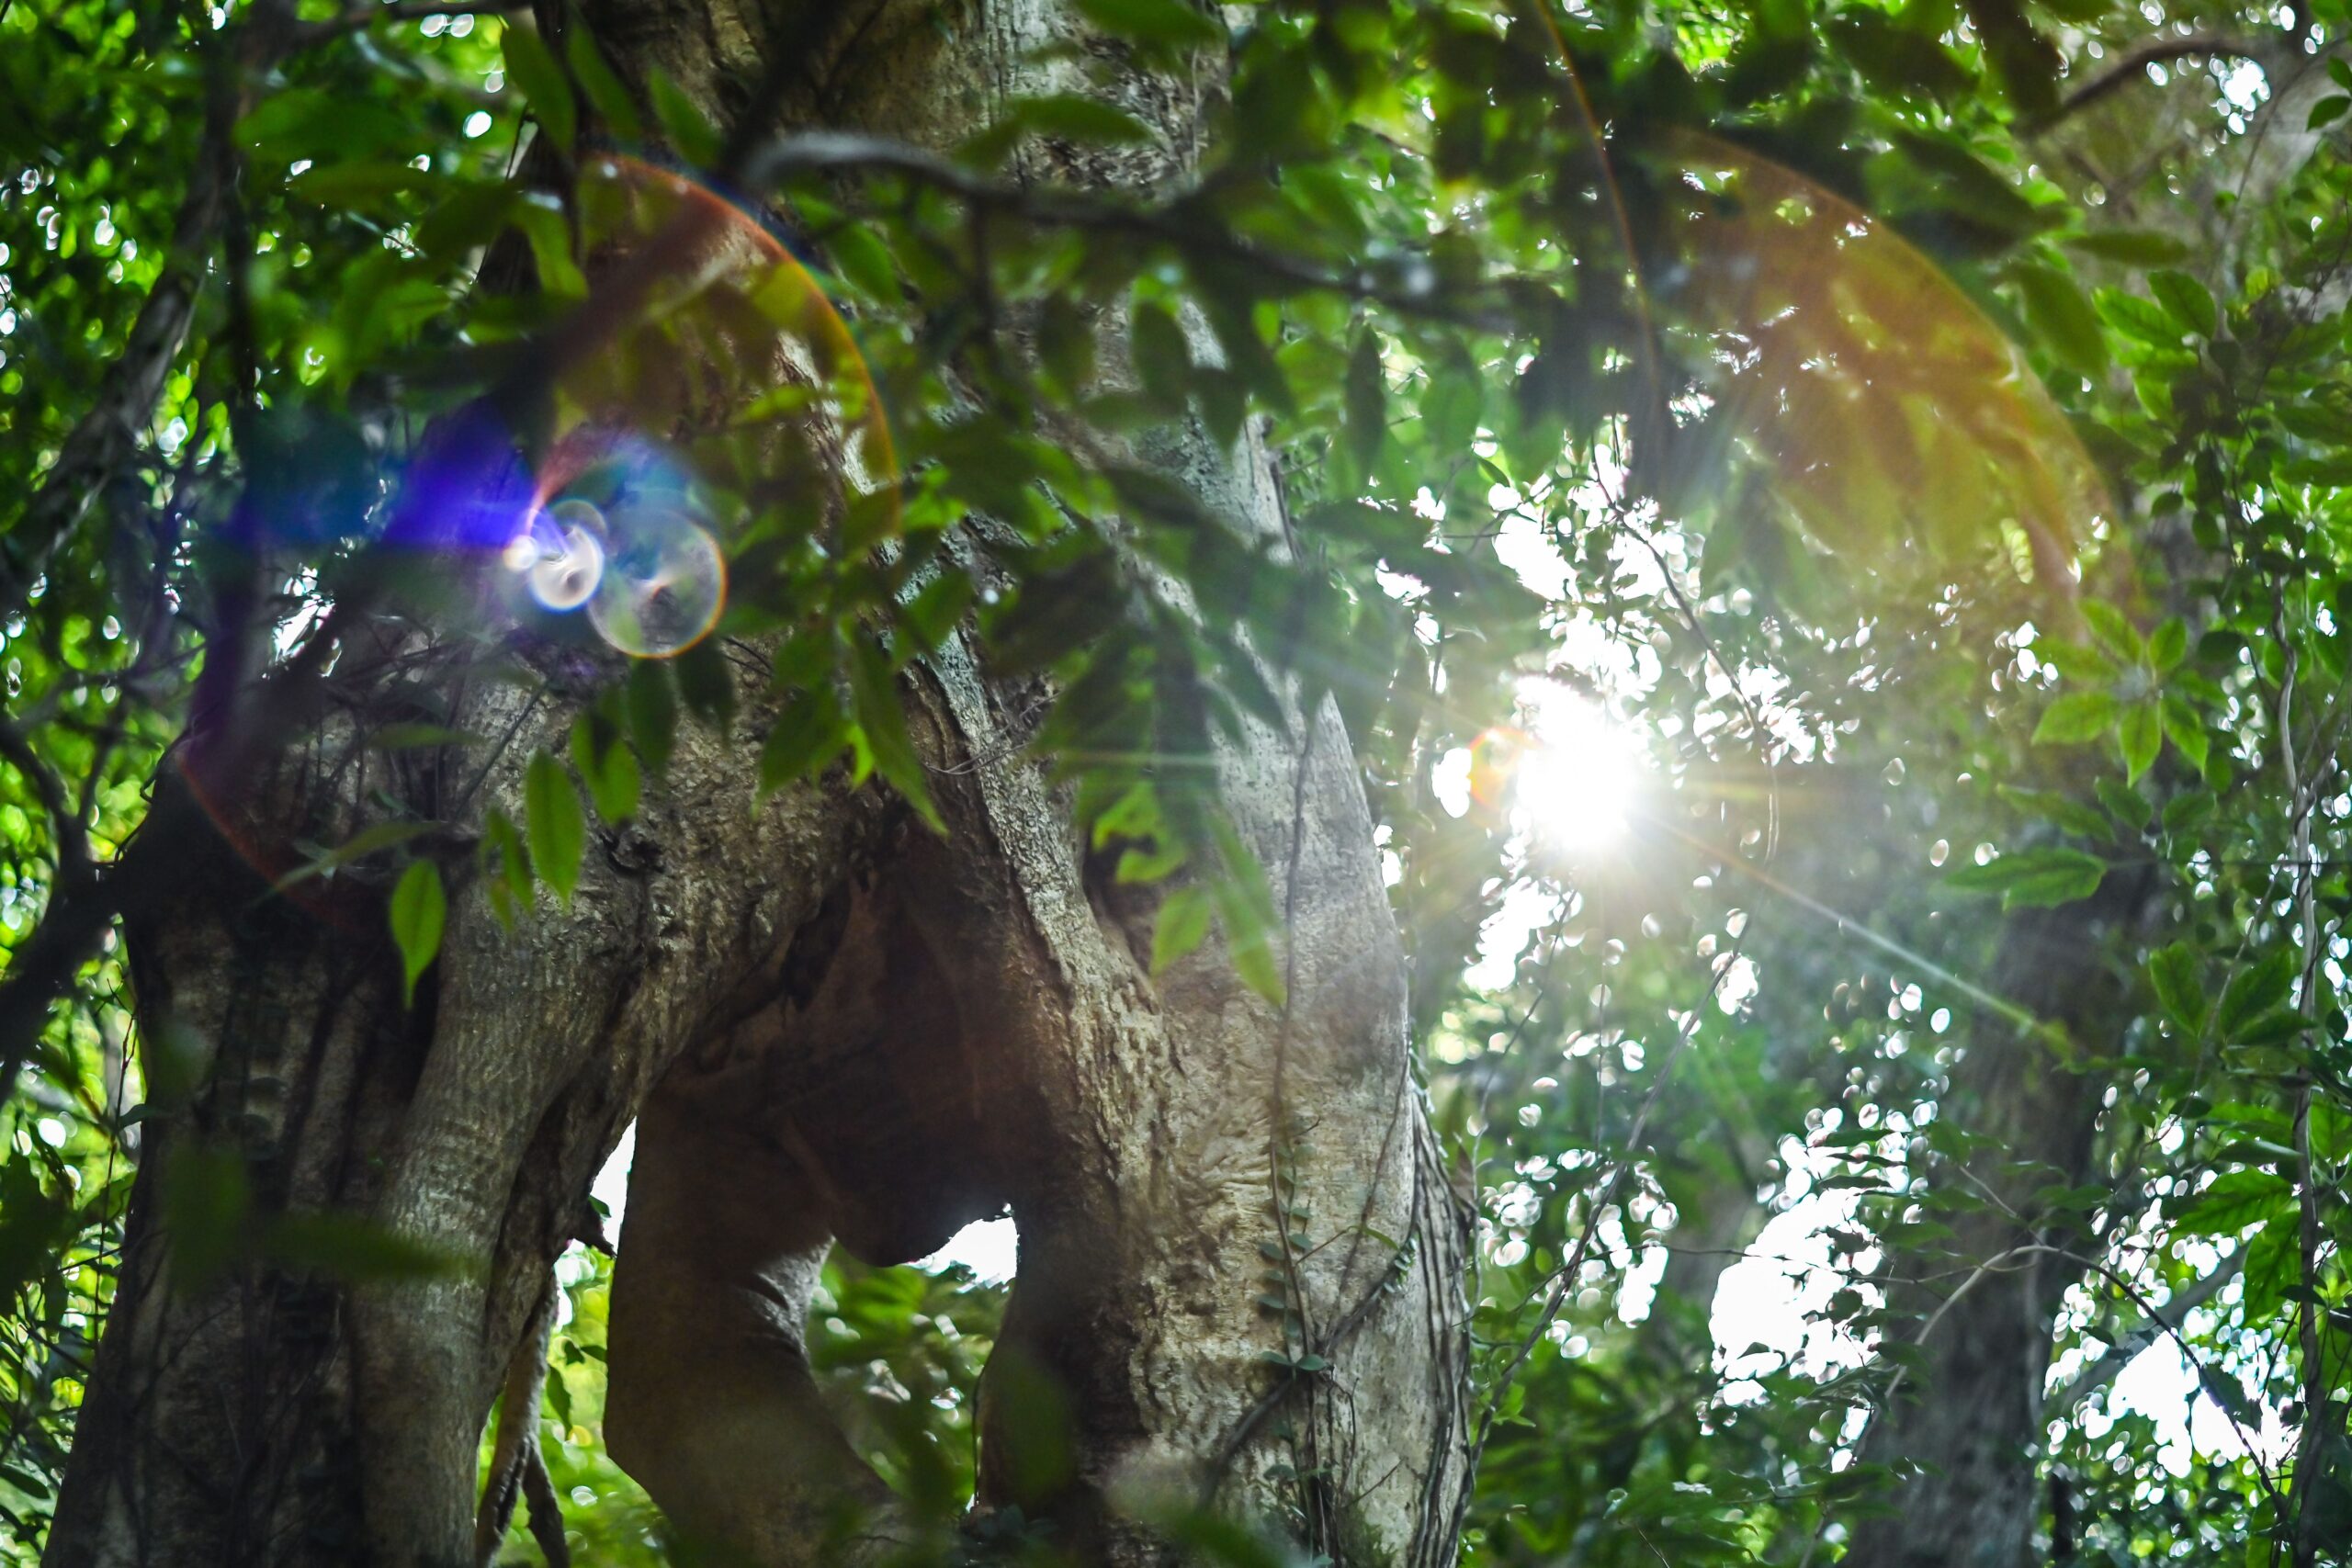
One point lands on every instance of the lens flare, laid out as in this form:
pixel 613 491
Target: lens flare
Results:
pixel 1579 780
pixel 705 397
pixel 569 541
pixel 1573 780
pixel 663 586
pixel 1495 759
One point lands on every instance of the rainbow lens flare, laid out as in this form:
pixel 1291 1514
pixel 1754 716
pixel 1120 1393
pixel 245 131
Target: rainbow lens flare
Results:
pixel 562 555
pixel 664 584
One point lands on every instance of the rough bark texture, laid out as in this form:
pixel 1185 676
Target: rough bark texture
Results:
pixel 836 1024
pixel 1970 1414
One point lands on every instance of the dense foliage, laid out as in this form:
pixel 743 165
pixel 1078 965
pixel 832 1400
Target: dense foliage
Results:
pixel 1786 496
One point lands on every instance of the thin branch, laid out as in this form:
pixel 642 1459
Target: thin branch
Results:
pixel 2302 793
pixel 359 18
pixel 2134 66
pixel 102 441
pixel 73 840
pixel 826 151
pixel 1563 1278
pixel 2172 1319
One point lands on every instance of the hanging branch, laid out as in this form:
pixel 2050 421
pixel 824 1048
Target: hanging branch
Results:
pixel 2133 67
pixel 2171 1320
pixel 103 440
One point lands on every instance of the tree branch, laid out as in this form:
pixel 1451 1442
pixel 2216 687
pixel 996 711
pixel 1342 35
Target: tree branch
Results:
pixel 2170 1321
pixel 828 152
pixel 2131 67
pixel 71 841
pixel 355 19
pixel 103 439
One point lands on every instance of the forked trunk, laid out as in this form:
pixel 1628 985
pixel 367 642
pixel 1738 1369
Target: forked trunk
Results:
pixel 836 1024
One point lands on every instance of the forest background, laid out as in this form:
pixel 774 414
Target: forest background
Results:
pixel 1827 523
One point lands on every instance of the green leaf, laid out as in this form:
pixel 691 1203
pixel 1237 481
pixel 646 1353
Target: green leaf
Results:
pixel 2277 1027
pixel 810 732
pixel 683 125
pixel 1076 118
pixel 707 682
pixel 2059 810
pixel 2274 1267
pixel 2141 735
pixel 2113 630
pixel 596 79
pixel 373 839
pixel 2189 810
pixel 934 612
pixel 884 725
pixel 2252 992
pixel 554 825
pixel 1244 908
pixel 1163 360
pixel 2172 971
pixel 533 69
pixel 1367 400
pixel 860 256
pixel 417 737
pixel 2077 662
pixel 2327 111
pixel 2235 1199
pixel 608 767
pixel 2185 301
pixel 2007 871
pixel 353 1249
pixel 1181 926
pixel 1451 408
pixel 2185 729
pixel 558 1394
pixel 1167 23
pixel 2064 315
pixel 2167 646
pixel 2131 247
pixel 506 868
pixel 652 705
pixel 550 239
pixel 2074 718
pixel 419 910
pixel 2064 877
pixel 2127 805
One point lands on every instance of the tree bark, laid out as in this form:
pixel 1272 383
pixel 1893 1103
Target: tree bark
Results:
pixel 836 1024
pixel 1966 1420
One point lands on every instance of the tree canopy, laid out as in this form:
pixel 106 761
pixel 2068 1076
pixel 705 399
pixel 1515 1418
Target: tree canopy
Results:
pixel 1825 521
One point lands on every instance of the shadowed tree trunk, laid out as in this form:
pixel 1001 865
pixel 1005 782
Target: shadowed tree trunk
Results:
pixel 836 1024
pixel 1969 1414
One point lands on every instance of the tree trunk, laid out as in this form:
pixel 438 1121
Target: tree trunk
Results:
pixel 836 1024
pixel 1969 1414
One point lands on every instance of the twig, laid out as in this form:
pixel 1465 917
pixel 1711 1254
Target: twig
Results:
pixel 1564 1277
pixel 103 439
pixel 2121 1354
pixel 1173 223
pixel 73 840
pixel 2133 66
pixel 356 17
pixel 2299 790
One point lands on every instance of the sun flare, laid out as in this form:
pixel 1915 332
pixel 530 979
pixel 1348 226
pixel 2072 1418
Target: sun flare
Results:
pixel 1579 775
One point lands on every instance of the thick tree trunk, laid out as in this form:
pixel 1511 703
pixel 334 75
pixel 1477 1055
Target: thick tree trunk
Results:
pixel 836 1024
pixel 1969 1415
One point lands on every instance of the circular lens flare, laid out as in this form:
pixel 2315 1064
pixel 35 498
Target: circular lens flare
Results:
pixel 568 538
pixel 664 585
